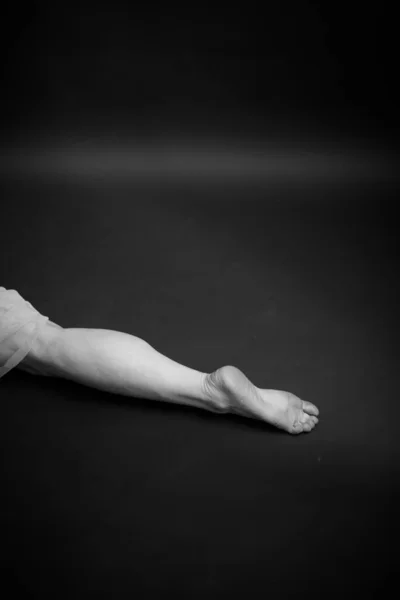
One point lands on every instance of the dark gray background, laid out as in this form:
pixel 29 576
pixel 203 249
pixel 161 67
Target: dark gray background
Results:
pixel 224 185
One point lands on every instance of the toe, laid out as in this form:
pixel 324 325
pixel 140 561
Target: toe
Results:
pixel 296 428
pixel 305 418
pixel 310 409
pixel 309 421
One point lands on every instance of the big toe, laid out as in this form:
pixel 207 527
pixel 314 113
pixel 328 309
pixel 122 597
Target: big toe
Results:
pixel 310 409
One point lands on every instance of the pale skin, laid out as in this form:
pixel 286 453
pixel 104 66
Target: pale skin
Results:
pixel 127 365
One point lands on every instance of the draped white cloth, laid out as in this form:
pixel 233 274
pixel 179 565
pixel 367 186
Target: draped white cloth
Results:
pixel 20 324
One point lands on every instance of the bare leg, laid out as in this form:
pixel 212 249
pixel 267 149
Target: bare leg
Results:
pixel 124 364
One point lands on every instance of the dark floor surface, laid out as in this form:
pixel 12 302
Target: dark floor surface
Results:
pixel 297 286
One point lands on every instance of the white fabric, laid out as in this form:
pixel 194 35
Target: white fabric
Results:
pixel 20 324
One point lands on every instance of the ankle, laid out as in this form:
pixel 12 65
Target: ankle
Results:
pixel 214 393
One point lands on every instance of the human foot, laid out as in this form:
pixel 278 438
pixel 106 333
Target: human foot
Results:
pixel 235 393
